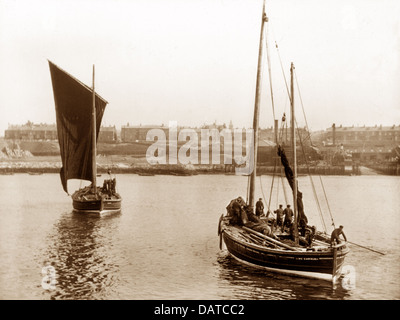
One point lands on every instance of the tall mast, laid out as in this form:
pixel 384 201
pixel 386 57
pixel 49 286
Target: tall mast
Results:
pixel 293 137
pixel 257 110
pixel 94 165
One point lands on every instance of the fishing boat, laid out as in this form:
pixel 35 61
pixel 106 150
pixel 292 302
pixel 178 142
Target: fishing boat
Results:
pixel 301 250
pixel 79 111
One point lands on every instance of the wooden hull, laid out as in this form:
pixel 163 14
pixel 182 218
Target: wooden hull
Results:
pixel 321 263
pixel 100 205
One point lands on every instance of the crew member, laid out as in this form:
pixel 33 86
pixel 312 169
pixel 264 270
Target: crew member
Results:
pixel 288 213
pixel 279 217
pixel 259 207
pixel 335 235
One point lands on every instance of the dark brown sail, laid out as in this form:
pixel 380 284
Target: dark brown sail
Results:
pixel 290 178
pixel 73 102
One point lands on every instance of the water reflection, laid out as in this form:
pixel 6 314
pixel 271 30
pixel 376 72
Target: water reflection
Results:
pixel 252 283
pixel 81 254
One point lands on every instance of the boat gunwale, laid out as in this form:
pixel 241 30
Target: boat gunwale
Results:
pixel 342 248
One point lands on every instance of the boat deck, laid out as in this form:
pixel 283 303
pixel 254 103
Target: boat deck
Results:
pixel 280 254
pixel 257 239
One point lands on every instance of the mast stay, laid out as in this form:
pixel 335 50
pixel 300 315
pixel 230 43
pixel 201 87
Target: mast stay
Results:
pixel 301 214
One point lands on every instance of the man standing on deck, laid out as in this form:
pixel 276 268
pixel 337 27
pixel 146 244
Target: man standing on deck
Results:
pixel 335 235
pixel 235 212
pixel 288 213
pixel 259 208
pixel 279 217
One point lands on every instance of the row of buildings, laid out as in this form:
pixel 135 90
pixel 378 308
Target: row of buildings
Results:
pixel 362 144
pixel 355 136
pixel 377 143
pixel 44 132
pixel 128 133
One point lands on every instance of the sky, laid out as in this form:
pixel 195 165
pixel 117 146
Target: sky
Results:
pixel 195 61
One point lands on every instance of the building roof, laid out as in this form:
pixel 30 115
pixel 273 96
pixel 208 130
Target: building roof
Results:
pixel 146 126
pixel 364 128
pixel 108 128
pixel 33 127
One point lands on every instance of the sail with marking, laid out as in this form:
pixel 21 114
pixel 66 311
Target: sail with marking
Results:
pixel 74 102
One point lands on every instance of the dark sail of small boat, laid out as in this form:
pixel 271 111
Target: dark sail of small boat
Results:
pixel 290 178
pixel 73 101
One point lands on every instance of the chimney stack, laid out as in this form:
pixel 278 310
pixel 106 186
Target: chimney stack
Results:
pixel 334 134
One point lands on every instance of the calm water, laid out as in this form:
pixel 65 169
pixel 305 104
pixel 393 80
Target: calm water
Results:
pixel 164 244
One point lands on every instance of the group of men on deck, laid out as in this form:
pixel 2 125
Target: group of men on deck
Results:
pixel 242 214
pixel 109 185
pixel 284 217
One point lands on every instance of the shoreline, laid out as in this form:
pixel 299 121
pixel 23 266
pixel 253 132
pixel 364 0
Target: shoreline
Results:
pixel 44 157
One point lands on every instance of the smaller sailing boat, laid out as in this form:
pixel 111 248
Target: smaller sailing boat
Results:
pixel 303 251
pixel 79 111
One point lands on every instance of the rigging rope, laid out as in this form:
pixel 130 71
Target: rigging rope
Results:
pixel 298 133
pixel 282 129
pixel 308 168
pixel 309 136
pixel 311 180
pixel 302 105
pixel 329 209
pixel 283 71
pixel 272 185
pixel 301 102
pixel 277 192
pixel 262 191
pixel 283 187
pixel 270 76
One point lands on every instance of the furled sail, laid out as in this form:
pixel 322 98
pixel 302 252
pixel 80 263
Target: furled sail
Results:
pixel 73 102
pixel 290 178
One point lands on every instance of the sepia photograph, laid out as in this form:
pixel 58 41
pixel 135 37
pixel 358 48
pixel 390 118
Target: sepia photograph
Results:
pixel 188 150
